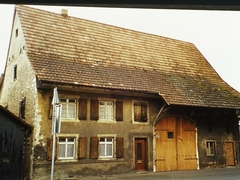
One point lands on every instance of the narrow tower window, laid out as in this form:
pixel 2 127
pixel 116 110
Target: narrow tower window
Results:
pixel 16 32
pixel 15 73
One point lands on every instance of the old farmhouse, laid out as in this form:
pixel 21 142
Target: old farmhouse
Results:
pixel 131 101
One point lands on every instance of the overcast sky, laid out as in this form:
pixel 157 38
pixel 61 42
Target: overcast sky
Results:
pixel 214 33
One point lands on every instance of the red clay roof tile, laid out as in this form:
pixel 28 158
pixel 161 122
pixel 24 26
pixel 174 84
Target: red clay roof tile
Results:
pixel 73 50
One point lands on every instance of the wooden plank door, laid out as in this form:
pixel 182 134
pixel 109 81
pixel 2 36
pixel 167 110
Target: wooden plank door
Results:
pixel 229 153
pixel 186 145
pixel 175 144
pixel 140 154
pixel 166 145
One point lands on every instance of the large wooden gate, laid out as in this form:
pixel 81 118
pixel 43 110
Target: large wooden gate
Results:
pixel 175 144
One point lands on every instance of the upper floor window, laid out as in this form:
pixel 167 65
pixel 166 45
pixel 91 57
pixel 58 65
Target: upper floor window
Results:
pixel 15 72
pixel 16 35
pixel 140 111
pixel 68 108
pixel 106 110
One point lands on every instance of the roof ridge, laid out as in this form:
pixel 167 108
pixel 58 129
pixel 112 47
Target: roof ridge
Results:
pixel 105 24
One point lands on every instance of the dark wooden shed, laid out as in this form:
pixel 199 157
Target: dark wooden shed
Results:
pixel 15 146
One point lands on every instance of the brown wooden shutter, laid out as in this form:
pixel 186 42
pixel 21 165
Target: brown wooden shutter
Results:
pixel 137 112
pixel 119 147
pixel 144 112
pixel 50 112
pixel 50 147
pixel 94 147
pixel 82 148
pixel 119 111
pixel 94 109
pixel 82 109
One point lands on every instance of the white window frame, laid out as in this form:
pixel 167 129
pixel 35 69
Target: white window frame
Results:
pixel 75 143
pixel 105 106
pixel 136 122
pixel 113 136
pixel 210 150
pixel 67 107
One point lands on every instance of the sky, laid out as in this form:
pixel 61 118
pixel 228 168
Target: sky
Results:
pixel 214 33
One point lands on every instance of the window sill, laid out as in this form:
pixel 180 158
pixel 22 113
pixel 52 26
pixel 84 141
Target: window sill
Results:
pixel 69 120
pixel 106 159
pixel 67 160
pixel 107 121
pixel 210 155
pixel 136 122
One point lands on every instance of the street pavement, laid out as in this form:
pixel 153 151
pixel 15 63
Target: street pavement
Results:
pixel 205 174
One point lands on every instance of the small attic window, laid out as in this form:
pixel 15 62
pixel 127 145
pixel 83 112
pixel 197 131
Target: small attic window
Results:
pixel 16 32
pixel 15 72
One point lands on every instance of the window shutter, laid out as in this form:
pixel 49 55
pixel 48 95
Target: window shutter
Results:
pixel 82 148
pixel 82 109
pixel 50 112
pixel 50 147
pixel 119 147
pixel 137 111
pixel 94 109
pixel 144 112
pixel 94 147
pixel 119 111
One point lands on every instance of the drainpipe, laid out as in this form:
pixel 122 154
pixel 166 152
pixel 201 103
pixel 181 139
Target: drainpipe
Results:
pixel 159 113
pixel 154 137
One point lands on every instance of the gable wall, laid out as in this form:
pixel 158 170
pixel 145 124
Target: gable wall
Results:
pixel 24 86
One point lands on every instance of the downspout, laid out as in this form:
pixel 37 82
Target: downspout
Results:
pixel 159 113
pixel 154 135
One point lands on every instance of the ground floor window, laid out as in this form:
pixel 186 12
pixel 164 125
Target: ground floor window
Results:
pixel 66 148
pixel 210 147
pixel 106 147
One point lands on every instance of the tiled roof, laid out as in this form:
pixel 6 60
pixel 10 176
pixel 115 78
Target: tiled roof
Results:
pixel 77 51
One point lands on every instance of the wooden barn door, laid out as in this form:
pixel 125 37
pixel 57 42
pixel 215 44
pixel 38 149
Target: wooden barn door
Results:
pixel 175 144
pixel 229 152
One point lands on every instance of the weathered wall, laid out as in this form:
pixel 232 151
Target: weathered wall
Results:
pixel 89 128
pixel 220 126
pixel 214 124
pixel 24 85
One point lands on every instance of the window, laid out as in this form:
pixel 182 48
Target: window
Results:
pixel 106 147
pixel 210 148
pixel 170 135
pixel 66 148
pixel 16 35
pixel 106 110
pixel 15 72
pixel 140 110
pixel 68 108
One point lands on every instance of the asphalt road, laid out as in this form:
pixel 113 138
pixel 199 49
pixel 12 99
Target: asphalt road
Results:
pixel 207 174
